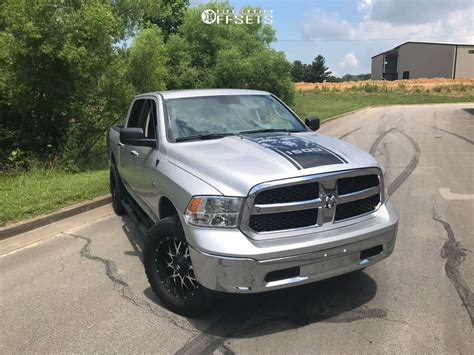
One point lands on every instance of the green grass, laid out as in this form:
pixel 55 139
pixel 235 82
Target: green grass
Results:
pixel 327 104
pixel 37 192
pixel 41 191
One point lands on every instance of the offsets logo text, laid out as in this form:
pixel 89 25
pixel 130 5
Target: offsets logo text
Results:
pixel 241 17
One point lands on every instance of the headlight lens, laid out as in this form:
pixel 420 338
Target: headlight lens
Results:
pixel 214 211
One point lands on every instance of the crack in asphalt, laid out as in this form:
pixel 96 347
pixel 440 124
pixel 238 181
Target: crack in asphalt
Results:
pixel 455 255
pixel 455 135
pixel 349 133
pixel 121 286
pixel 110 266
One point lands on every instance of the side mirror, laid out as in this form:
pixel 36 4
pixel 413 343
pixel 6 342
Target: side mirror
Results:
pixel 135 136
pixel 312 122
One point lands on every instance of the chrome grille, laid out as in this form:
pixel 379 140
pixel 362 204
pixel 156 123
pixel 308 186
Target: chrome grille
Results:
pixel 311 202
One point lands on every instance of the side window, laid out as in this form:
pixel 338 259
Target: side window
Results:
pixel 143 115
pixel 136 113
pixel 149 120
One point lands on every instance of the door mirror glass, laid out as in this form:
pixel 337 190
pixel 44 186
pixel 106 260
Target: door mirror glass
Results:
pixel 312 122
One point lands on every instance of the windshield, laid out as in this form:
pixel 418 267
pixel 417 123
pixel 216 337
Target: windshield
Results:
pixel 217 116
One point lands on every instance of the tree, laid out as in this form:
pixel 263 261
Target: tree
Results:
pixel 333 79
pixel 146 61
pixel 358 77
pixel 67 72
pixel 168 15
pixel 297 71
pixel 226 55
pixel 315 72
pixel 308 76
pixel 57 58
pixel 320 71
pixel 263 70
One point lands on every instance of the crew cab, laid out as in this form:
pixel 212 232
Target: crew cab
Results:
pixel 236 194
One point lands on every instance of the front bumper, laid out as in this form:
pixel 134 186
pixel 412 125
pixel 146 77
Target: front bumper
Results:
pixel 273 265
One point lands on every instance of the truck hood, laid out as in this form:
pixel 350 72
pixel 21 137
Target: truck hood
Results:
pixel 235 164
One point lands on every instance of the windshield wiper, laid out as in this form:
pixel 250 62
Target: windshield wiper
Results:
pixel 265 130
pixel 203 136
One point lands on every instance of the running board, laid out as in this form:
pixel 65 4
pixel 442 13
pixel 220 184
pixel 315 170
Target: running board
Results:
pixel 139 217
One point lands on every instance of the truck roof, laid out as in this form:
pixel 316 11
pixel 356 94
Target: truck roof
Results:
pixel 176 94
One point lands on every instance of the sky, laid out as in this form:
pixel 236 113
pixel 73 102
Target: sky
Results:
pixel 349 32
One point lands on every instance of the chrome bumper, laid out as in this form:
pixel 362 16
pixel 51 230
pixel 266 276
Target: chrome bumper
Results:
pixel 249 275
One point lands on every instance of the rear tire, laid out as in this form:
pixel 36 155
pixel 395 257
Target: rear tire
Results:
pixel 169 269
pixel 117 190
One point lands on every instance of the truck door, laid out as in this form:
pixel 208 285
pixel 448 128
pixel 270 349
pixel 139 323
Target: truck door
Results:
pixel 127 152
pixel 145 160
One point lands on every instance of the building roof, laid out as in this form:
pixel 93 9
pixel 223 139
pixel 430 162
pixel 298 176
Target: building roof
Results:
pixel 420 42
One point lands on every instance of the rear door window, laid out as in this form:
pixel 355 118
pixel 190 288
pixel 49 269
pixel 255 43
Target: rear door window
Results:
pixel 143 115
pixel 136 113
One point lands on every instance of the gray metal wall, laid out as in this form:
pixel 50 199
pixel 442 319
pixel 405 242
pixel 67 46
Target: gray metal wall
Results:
pixel 464 63
pixel 377 67
pixel 426 60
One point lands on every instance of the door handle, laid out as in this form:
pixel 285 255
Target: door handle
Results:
pixel 134 153
pixel 120 144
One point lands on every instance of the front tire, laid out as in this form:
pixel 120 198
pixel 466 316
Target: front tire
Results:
pixel 170 271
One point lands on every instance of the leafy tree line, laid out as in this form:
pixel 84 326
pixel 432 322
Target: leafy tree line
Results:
pixel 318 72
pixel 68 69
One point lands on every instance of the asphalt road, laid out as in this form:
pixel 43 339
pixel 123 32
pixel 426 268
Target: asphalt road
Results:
pixel 79 285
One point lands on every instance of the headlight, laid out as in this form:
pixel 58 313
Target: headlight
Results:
pixel 213 211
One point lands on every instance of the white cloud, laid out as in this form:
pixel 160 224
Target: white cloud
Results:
pixel 445 29
pixel 380 31
pixel 329 26
pixel 349 61
pixel 321 25
pixel 364 4
pixel 414 12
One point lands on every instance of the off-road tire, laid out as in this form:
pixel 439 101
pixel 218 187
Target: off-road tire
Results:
pixel 164 240
pixel 117 190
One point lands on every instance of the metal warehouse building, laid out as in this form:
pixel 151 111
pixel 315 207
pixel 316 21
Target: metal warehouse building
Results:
pixel 414 60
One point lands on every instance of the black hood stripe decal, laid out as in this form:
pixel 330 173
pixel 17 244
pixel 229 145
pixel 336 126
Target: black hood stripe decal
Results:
pixel 302 153
pixel 290 159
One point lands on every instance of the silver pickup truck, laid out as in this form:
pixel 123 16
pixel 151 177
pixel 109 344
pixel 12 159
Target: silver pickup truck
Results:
pixel 236 194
